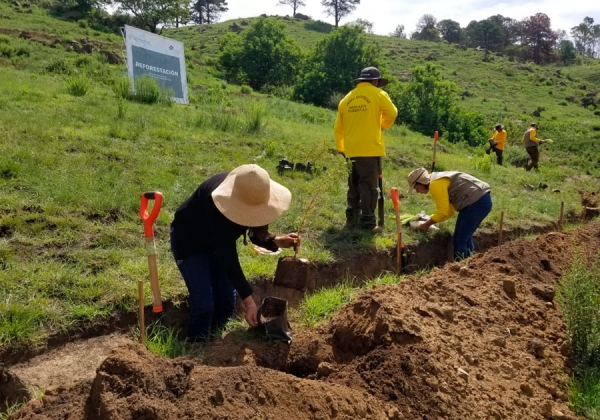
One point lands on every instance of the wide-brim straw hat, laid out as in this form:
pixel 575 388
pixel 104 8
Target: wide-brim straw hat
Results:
pixel 418 175
pixel 249 197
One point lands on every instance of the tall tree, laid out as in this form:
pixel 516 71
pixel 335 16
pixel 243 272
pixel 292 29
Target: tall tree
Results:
pixel 567 51
pixel 486 34
pixel 261 55
pixel 399 32
pixel 586 36
pixel 366 25
pixel 208 11
pixel 510 29
pixel 426 30
pixel 427 21
pixel 152 14
pixel 339 8
pixel 295 4
pixel 539 36
pixel 335 61
pixel 449 30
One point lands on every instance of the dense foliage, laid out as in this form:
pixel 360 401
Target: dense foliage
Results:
pixel 262 55
pixel 335 61
pixel 428 103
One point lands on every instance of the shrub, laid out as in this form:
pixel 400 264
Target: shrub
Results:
pixel 78 85
pixel 82 23
pixel 262 54
pixel 245 89
pixel 60 66
pixel 579 299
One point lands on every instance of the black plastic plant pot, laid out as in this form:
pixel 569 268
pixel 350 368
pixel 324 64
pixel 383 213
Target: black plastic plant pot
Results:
pixel 273 315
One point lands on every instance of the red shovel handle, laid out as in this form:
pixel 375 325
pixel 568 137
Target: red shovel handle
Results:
pixel 395 197
pixel 435 137
pixel 149 219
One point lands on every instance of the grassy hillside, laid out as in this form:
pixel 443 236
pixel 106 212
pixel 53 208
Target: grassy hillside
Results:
pixel 503 90
pixel 73 167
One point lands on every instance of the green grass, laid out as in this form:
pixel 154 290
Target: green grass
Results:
pixel 72 168
pixel 165 341
pixel 323 303
pixel 579 299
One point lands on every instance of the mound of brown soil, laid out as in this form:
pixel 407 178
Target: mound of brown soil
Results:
pixel 133 384
pixel 482 339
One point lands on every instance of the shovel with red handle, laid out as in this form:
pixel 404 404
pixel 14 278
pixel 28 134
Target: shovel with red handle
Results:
pixel 149 219
pixel 400 246
pixel 435 142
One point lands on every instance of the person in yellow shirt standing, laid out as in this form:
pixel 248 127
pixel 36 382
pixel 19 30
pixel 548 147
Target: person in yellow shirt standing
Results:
pixel 532 144
pixel 497 142
pixel 454 192
pixel 362 115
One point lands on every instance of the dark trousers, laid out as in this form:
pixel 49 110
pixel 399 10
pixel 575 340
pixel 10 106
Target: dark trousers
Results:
pixel 362 191
pixel 467 222
pixel 211 295
pixel 534 154
pixel 498 155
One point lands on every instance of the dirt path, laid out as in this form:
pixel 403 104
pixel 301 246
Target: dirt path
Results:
pixel 482 339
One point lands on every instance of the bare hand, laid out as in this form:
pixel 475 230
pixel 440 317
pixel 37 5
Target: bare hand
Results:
pixel 252 315
pixel 291 240
pixel 424 226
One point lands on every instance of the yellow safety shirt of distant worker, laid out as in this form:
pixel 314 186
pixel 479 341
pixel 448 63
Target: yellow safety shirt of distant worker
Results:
pixel 362 115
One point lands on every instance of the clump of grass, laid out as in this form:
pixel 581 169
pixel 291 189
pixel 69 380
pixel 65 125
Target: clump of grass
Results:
pixel 79 85
pixel 164 341
pixel 322 304
pixel 255 118
pixel 579 299
pixel 145 90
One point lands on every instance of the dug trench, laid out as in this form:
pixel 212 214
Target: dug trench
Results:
pixel 479 339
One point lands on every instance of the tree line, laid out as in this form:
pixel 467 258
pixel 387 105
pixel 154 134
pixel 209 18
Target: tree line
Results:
pixel 530 39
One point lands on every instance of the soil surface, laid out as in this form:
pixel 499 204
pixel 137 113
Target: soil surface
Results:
pixel 480 339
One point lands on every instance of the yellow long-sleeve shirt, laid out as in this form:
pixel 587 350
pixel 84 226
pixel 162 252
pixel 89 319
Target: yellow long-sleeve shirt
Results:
pixel 362 115
pixel 500 137
pixel 530 137
pixel 439 192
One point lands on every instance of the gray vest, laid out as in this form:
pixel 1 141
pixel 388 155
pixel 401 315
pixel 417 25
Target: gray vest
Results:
pixel 527 137
pixel 464 189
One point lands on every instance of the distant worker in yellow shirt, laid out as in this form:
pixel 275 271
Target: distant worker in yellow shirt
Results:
pixel 362 115
pixel 532 143
pixel 497 142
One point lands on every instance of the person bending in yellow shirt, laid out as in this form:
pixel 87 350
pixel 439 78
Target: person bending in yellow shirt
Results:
pixel 497 142
pixel 454 192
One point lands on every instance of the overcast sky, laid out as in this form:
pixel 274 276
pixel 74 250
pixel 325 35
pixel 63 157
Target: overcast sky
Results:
pixel 387 14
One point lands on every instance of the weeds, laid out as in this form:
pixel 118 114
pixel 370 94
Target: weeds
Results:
pixel 579 299
pixel 164 341
pixel 78 85
pixel 255 118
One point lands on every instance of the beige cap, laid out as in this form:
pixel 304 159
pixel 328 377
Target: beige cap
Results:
pixel 418 175
pixel 249 197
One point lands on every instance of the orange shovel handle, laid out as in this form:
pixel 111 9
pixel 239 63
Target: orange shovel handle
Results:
pixel 150 218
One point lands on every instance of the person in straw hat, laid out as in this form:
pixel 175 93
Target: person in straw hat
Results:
pixel 204 233
pixel 454 192
pixel 362 115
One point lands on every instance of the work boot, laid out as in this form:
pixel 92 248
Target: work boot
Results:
pixel 377 229
pixel 488 150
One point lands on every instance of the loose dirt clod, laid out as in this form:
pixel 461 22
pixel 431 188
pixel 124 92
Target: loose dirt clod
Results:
pixel 437 346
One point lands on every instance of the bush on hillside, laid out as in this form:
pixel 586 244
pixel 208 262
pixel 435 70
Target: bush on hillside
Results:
pixel 336 60
pixel 262 54
pixel 428 103
pixel 79 85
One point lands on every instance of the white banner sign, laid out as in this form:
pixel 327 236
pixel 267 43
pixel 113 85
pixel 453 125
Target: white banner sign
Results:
pixel 158 57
